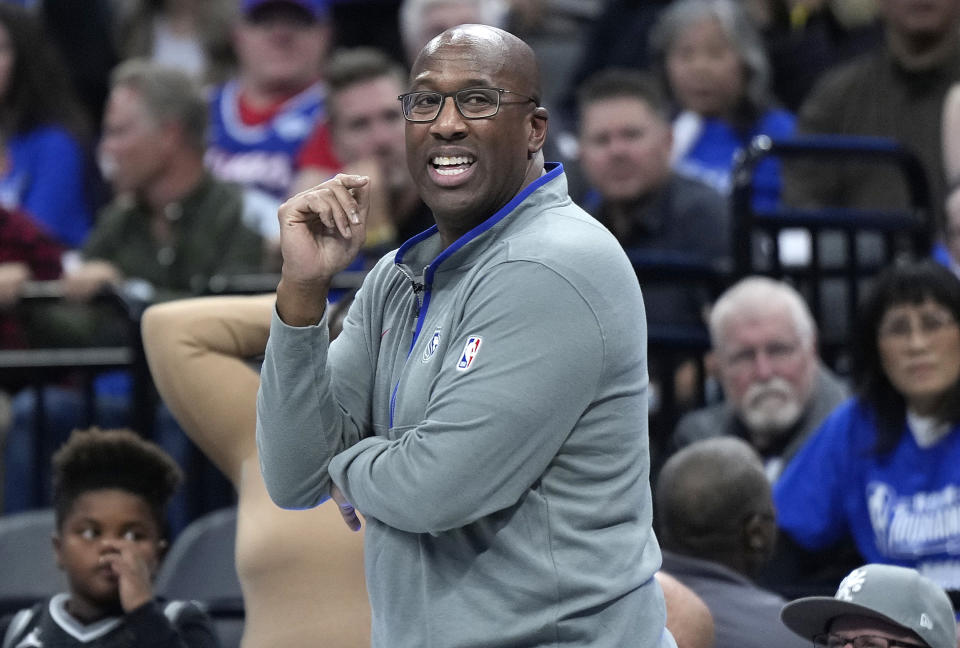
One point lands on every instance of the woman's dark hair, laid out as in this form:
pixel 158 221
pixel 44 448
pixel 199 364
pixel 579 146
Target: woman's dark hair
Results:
pixel 39 91
pixel 913 284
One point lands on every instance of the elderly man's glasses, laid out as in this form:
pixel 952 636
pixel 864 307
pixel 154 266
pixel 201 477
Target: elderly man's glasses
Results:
pixel 473 103
pixel 829 640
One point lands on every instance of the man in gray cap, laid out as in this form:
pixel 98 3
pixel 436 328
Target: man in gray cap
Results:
pixel 877 606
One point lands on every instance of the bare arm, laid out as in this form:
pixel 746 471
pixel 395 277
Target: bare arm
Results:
pixel 197 351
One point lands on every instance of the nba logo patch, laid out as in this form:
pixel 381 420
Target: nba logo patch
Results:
pixel 470 350
pixel 431 347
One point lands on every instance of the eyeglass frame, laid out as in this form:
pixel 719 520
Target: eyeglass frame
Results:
pixel 453 94
pixel 822 640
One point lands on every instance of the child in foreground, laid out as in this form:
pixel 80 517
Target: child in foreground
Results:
pixel 110 494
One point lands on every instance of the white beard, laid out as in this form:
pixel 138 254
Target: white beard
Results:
pixel 770 408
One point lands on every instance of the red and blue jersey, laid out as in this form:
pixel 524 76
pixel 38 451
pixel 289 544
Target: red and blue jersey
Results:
pixel 262 155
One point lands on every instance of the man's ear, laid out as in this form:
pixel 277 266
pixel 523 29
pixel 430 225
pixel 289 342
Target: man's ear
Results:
pixel 538 130
pixel 759 537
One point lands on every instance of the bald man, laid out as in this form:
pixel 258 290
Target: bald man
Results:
pixel 485 406
pixel 717 528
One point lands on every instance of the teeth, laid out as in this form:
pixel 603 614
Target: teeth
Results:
pixel 450 161
pixel 450 172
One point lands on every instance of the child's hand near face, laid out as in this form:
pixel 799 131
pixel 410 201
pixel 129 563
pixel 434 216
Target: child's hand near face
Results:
pixel 134 569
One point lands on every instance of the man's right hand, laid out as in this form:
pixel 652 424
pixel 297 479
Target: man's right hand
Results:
pixel 321 231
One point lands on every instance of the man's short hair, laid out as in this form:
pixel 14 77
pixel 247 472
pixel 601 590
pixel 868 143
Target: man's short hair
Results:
pixel 348 67
pixel 169 95
pixel 761 294
pixel 706 490
pixel 619 83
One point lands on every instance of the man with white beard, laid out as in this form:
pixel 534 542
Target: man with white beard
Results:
pixel 776 390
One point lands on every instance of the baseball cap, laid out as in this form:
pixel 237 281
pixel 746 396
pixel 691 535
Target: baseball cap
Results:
pixel 316 8
pixel 897 595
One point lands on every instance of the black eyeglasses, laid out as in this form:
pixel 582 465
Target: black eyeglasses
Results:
pixel 830 640
pixel 473 103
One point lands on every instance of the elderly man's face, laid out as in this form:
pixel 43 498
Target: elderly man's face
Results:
pixel 767 371
pixel 624 148
pixel 467 169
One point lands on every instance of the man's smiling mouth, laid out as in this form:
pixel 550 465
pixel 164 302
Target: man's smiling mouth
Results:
pixel 451 166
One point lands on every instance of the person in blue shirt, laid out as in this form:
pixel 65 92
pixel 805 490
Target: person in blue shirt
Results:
pixel 884 468
pixel 43 164
pixel 712 61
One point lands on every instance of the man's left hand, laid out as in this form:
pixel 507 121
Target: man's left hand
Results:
pixel 347 511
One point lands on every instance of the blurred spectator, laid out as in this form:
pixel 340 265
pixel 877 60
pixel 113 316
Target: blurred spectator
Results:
pixel 193 35
pixel 876 605
pixel 950 122
pixel 619 37
pixel 260 119
pixel 884 468
pixel 421 20
pixel 713 62
pixel 26 252
pixel 43 169
pixel 777 392
pixel 365 129
pixel 199 352
pixel 897 91
pixel 947 249
pixel 949 252
pixel 625 143
pixel 717 527
pixel 170 228
pixel 805 38
pixel 83 34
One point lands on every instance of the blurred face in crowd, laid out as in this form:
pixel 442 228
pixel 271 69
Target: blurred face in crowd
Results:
pixel 280 47
pixel 7 60
pixel 766 369
pixel 705 72
pixel 919 20
pixel 367 123
pixel 624 147
pixel 919 348
pixel 440 16
pixel 135 147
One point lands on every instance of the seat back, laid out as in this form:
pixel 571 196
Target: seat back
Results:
pixel 200 567
pixel 28 569
pixel 200 564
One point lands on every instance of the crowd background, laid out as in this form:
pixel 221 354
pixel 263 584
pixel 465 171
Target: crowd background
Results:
pixel 146 145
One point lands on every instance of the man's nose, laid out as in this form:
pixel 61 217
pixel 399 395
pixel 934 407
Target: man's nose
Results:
pixel 449 122
pixel 762 366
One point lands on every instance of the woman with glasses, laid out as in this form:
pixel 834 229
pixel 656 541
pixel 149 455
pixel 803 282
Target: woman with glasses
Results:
pixel 884 468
